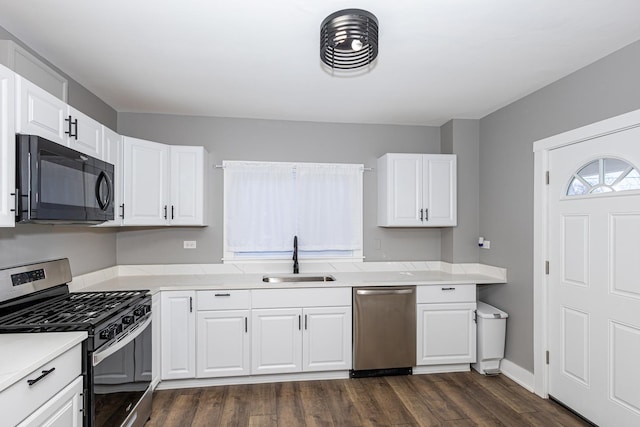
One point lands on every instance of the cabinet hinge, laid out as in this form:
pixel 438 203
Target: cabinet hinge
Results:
pixel 547 177
pixel 546 267
pixel 547 357
pixel 475 316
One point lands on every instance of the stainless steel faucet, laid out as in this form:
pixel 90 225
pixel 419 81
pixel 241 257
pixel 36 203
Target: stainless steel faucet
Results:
pixel 296 268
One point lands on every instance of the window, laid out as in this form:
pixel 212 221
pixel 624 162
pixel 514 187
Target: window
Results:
pixel 604 175
pixel 266 204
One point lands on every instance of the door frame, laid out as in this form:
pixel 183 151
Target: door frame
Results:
pixel 542 149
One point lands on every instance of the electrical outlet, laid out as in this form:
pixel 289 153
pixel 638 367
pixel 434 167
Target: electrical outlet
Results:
pixel 486 244
pixel 189 244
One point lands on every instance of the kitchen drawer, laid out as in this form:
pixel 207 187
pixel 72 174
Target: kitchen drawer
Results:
pixel 309 297
pixel 19 400
pixel 445 293
pixel 223 300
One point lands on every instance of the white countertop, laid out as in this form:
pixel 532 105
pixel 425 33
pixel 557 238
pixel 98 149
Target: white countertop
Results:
pixel 156 283
pixel 21 354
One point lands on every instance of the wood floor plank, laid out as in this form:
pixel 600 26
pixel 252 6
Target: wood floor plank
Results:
pixel 210 405
pixel 456 399
pixel 412 400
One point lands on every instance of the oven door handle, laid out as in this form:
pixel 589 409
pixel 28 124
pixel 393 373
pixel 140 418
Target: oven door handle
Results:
pixel 119 345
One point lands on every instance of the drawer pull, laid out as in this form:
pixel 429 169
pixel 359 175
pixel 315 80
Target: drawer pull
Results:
pixel 448 289
pixel 44 374
pixel 223 295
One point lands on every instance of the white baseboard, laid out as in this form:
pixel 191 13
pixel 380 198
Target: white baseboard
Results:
pixel 440 369
pixel 517 374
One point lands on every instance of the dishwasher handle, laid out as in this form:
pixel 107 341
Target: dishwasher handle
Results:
pixel 384 291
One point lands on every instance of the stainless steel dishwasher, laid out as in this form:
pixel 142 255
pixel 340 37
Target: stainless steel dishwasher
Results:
pixel 384 330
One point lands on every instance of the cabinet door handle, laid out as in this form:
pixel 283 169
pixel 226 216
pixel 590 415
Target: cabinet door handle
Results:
pixel 165 211
pixel 421 215
pixel 426 214
pixel 44 374
pixel 190 304
pixel 223 295
pixel 171 211
pixel 68 131
pixel 246 325
pixel 305 322
pixel 299 322
pixel 448 289
pixel 16 201
pixel 122 211
pixel 75 123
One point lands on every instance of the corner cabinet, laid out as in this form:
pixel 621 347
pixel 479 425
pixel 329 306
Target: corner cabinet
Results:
pixel 178 326
pixel 163 184
pixel 446 330
pixel 7 148
pixel 417 190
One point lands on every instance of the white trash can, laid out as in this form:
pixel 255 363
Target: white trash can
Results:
pixel 492 326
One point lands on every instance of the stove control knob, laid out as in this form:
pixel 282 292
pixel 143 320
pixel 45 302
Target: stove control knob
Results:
pixel 118 328
pixel 141 310
pixel 108 333
pixel 127 320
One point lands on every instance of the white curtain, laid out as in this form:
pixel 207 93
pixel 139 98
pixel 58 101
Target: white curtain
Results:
pixel 257 200
pixel 329 206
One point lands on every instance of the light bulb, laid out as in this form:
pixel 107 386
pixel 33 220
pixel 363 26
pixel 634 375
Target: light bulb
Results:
pixel 356 45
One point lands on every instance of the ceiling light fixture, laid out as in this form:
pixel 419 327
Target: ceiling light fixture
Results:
pixel 349 39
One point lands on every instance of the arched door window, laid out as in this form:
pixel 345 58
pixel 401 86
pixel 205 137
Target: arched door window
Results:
pixel 604 175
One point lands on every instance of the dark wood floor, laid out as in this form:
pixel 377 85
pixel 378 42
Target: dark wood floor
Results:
pixel 456 399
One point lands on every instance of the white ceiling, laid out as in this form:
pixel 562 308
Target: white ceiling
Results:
pixel 439 59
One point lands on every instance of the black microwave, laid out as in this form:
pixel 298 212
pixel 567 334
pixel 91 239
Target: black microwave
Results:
pixel 56 184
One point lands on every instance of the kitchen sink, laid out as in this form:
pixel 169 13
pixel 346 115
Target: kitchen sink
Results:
pixel 297 278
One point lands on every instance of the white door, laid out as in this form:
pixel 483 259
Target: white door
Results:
pixel 446 334
pixel 440 190
pixel 65 409
pixel 276 341
pixel 326 342
pixel 178 330
pixel 146 177
pixel 404 182
pixel 7 148
pixel 40 113
pixel 187 185
pixel 223 343
pixel 86 135
pixel 594 291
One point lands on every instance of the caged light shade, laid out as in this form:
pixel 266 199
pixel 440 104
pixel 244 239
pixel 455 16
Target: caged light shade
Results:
pixel 349 39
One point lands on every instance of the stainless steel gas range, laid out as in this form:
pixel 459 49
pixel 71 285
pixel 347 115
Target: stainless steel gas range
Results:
pixel 117 353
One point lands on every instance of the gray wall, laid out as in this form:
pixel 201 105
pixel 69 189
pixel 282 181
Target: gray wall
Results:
pixel 461 137
pixel 247 139
pixel 601 90
pixel 88 249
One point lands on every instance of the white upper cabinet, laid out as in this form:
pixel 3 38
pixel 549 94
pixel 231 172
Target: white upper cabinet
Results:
pixel 40 113
pixel 7 148
pixel 146 177
pixel 187 192
pixel 417 190
pixel 83 133
pixel 112 153
pixel 163 185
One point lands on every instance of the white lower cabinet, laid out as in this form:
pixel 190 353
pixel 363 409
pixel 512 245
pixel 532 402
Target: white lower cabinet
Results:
pixel 314 336
pixel 446 330
pixel 178 335
pixel 223 343
pixel 62 410
pixel 277 341
pixel 49 395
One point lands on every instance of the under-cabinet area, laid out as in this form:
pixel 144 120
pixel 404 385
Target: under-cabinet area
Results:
pixel 226 336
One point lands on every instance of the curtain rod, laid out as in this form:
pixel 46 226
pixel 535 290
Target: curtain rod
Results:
pixel 222 167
